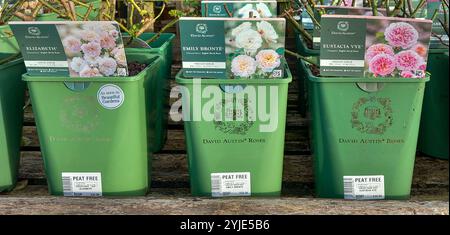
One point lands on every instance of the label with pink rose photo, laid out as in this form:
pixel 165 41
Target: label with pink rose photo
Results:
pixel 375 46
pixel 71 49
pixel 232 48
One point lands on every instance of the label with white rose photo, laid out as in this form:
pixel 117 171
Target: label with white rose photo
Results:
pixel 239 9
pixel 71 49
pixel 375 46
pixel 231 48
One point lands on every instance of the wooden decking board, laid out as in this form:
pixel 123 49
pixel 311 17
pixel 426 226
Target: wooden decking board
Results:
pixel 169 193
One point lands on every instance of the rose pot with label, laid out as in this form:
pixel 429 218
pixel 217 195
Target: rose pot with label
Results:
pixel 433 135
pixel 95 128
pixel 12 95
pixel 364 129
pixel 160 87
pixel 234 155
pixel 303 50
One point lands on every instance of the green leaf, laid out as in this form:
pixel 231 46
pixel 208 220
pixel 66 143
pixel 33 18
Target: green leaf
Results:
pixel 281 51
pixel 239 51
pixel 379 35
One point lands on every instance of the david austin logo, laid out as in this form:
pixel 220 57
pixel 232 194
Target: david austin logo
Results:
pixel 34 31
pixel 372 115
pixel 217 9
pixel 343 26
pixel 232 113
pixel 201 28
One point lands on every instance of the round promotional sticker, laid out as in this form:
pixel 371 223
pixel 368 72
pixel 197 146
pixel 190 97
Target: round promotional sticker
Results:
pixel 110 96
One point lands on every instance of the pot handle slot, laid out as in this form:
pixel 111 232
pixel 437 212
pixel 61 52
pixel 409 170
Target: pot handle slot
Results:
pixel 77 86
pixel 232 88
pixel 370 87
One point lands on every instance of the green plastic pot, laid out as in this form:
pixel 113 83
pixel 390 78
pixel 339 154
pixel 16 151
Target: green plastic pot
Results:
pixel 8 44
pixel 230 146
pixel 12 94
pixel 80 133
pixel 160 87
pixel 365 127
pixel 433 135
pixel 303 50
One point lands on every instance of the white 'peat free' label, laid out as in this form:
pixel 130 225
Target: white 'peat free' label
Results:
pixel 82 184
pixel 230 184
pixel 364 187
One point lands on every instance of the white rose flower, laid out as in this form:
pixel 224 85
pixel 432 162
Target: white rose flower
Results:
pixel 263 10
pixel 243 66
pixel 268 60
pixel 240 28
pixel 249 40
pixel 121 58
pixel 77 64
pixel 251 14
pixel 246 8
pixel 267 31
pixel 92 61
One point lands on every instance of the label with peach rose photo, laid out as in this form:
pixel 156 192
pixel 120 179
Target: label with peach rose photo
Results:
pixel 71 49
pixel 376 46
pixel 231 48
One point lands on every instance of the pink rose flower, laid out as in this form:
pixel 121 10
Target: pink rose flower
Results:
pixel 89 36
pixel 107 66
pixel 89 72
pixel 401 34
pixel 382 65
pixel 114 33
pixel 408 60
pixel 421 50
pixel 407 74
pixel 377 49
pixel 72 44
pixel 107 41
pixel 423 66
pixel 92 49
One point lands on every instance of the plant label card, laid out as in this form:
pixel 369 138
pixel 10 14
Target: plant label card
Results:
pixel 72 49
pixel 239 9
pixel 339 10
pixel 439 37
pixel 232 48
pixel 375 46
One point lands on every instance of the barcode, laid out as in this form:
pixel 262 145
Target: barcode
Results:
pixel 216 185
pixel 122 72
pixel 277 73
pixel 419 73
pixel 348 188
pixel 67 186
